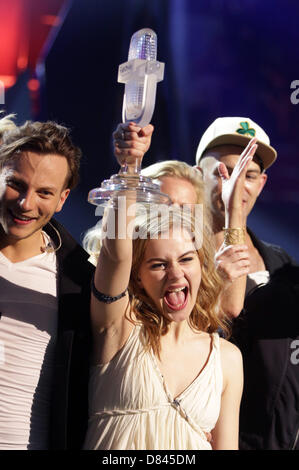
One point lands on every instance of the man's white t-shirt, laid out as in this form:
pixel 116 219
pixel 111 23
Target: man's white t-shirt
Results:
pixel 256 279
pixel 28 327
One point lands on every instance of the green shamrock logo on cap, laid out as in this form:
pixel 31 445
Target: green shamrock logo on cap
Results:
pixel 245 129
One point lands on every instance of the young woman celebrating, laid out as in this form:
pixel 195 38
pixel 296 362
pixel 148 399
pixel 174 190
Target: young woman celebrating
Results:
pixel 161 378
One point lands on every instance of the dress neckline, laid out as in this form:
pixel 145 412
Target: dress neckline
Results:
pixel 176 399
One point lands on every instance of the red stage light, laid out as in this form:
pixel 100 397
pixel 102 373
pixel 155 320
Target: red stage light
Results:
pixel 33 84
pixel 24 28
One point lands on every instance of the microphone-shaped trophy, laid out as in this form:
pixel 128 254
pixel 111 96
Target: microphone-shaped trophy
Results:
pixel 140 74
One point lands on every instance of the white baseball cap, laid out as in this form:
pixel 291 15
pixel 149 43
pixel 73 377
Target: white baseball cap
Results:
pixel 237 131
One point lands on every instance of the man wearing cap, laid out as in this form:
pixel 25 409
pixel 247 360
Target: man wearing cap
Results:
pixel 268 325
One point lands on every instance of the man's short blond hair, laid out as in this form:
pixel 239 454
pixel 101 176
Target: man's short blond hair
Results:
pixel 42 138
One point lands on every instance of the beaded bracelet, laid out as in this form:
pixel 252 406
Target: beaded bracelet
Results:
pixel 234 236
pixel 107 299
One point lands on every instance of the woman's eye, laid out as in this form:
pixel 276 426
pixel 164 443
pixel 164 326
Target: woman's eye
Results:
pixel 158 265
pixel 186 260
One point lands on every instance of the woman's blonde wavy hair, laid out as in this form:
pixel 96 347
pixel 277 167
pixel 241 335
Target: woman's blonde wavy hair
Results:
pixel 206 315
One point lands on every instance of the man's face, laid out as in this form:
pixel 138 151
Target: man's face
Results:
pixel 229 155
pixel 34 191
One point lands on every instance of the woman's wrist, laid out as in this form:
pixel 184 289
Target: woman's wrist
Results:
pixel 235 218
pixel 235 227
pixel 234 236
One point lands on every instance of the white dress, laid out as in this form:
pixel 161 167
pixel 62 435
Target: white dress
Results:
pixel 130 407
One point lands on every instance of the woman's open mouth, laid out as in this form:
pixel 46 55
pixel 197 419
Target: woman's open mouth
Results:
pixel 176 298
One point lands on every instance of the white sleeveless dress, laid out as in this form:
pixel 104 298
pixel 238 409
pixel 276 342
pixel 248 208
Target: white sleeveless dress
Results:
pixel 130 407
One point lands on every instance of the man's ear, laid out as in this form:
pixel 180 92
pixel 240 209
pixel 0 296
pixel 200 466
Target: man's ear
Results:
pixel 263 181
pixel 63 196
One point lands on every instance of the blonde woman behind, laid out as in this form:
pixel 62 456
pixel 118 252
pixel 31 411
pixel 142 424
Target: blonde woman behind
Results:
pixel 177 179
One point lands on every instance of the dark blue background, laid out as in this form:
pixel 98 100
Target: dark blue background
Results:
pixel 222 57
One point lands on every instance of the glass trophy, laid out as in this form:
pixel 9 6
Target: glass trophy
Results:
pixel 140 73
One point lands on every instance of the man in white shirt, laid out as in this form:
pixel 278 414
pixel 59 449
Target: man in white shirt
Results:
pixel 44 301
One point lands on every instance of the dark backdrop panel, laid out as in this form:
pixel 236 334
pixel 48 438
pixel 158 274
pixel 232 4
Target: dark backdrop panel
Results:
pixel 222 58
pixel 82 92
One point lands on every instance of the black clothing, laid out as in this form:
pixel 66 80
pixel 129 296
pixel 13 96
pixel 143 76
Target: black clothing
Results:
pixel 266 332
pixel 69 405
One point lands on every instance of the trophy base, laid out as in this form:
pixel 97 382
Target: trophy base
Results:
pixel 146 191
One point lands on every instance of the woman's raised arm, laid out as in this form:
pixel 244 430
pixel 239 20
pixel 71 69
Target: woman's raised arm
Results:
pixel 109 299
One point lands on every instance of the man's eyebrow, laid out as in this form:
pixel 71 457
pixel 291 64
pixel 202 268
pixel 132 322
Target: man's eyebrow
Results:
pixel 253 170
pixel 19 179
pixel 230 170
pixel 48 188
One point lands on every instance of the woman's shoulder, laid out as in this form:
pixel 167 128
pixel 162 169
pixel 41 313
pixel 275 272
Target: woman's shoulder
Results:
pixel 232 366
pixel 231 354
